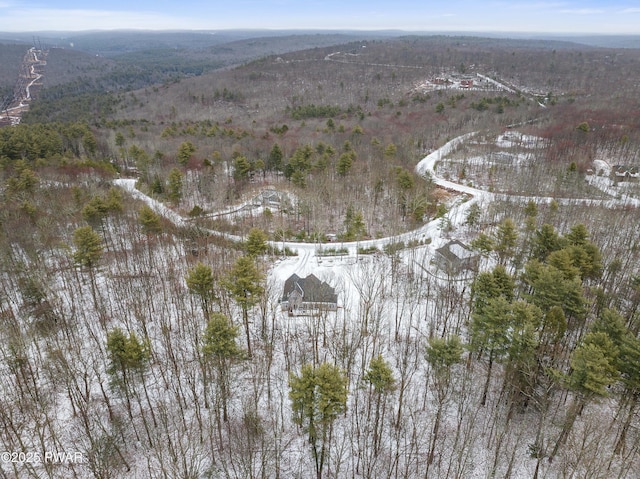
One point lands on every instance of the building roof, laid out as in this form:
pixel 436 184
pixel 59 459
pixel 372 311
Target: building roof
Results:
pixel 454 257
pixel 313 290
pixel 626 170
pixel 455 251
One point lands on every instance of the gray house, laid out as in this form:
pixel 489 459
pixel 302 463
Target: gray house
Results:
pixel 269 198
pixel 308 295
pixel 625 172
pixel 454 257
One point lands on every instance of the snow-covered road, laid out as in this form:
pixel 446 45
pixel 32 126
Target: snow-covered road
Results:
pixel 15 113
pixel 306 251
pixel 427 167
pixel 306 260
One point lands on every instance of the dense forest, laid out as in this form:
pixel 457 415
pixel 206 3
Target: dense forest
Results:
pixel 155 201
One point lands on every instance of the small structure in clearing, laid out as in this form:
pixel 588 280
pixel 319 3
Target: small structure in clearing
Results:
pixel 454 257
pixel 270 199
pixel 625 172
pixel 305 296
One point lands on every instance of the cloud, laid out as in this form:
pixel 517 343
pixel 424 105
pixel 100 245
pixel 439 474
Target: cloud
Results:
pixel 530 6
pixel 583 11
pixel 519 15
pixel 44 19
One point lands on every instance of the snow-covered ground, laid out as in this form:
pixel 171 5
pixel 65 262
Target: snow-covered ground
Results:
pixel 15 113
pixel 514 138
pixel 307 260
pixel 390 305
pixel 431 233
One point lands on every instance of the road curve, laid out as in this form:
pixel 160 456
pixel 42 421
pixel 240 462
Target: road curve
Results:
pixel 426 168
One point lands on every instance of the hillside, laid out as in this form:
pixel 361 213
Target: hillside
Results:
pixel 10 60
pixel 374 99
pixel 468 209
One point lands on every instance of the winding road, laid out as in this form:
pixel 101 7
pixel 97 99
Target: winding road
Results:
pixel 426 167
pixel 306 251
pixel 32 59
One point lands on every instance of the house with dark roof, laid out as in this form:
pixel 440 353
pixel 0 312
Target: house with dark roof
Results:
pixel 269 198
pixel 302 296
pixel 454 257
pixel 625 172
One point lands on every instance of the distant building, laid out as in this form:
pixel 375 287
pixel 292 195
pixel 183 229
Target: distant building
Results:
pixel 625 172
pixel 441 81
pixel 302 296
pixel 331 237
pixel 269 198
pixel 454 257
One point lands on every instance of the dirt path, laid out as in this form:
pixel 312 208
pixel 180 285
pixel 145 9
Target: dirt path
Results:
pixel 31 73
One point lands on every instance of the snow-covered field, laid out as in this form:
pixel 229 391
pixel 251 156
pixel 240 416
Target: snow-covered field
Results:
pixel 168 424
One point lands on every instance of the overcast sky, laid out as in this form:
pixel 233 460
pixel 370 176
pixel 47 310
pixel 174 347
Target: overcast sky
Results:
pixel 584 16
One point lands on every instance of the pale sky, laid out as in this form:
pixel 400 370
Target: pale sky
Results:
pixel 583 16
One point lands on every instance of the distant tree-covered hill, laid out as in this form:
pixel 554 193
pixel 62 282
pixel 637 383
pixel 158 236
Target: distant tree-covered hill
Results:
pixel 11 56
